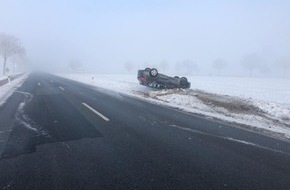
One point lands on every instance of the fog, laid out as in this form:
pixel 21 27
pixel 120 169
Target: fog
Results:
pixel 251 38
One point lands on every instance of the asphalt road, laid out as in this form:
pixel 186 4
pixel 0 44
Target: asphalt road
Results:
pixel 60 134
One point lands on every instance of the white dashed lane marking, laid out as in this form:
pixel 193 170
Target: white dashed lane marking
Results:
pixel 96 112
pixel 61 88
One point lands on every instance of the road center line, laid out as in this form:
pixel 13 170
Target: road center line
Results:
pixel 96 112
pixel 61 88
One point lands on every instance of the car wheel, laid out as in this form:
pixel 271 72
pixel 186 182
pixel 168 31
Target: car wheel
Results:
pixel 183 82
pixel 153 73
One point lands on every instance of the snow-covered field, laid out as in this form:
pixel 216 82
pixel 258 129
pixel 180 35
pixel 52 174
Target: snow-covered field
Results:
pixel 255 103
pixel 272 90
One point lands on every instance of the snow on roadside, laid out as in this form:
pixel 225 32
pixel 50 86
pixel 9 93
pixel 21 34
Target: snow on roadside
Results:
pixel 185 101
pixel 225 98
pixel 3 77
pixel 278 111
pixel 8 89
pixel 276 90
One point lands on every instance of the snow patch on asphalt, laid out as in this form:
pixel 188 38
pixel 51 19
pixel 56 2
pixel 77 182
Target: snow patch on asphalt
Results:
pixel 23 119
pixel 258 104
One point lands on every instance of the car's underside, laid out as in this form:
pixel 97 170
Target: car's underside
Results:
pixel 151 77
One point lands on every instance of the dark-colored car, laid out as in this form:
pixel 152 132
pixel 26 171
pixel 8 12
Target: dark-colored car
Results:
pixel 151 77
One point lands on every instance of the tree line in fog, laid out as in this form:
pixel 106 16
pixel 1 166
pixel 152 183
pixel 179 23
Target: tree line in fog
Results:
pixel 11 50
pixel 251 64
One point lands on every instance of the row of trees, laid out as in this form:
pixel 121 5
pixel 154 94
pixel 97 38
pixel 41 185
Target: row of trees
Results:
pixel 250 63
pixel 10 47
pixel 187 67
pixel 254 62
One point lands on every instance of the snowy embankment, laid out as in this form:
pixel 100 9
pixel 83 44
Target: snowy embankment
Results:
pixel 255 103
pixel 7 89
pixel 3 77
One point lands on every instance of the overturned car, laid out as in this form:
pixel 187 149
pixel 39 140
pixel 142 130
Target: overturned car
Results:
pixel 151 77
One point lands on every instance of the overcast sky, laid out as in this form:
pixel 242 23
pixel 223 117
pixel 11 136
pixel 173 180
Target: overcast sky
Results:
pixel 103 35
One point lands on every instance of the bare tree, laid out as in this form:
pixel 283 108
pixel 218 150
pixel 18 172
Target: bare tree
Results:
pixel 187 67
pixel 284 65
pixel 219 64
pixel 251 62
pixel 129 66
pixel 17 60
pixel 163 65
pixel 265 69
pixel 9 46
pixel 75 65
pixel 145 65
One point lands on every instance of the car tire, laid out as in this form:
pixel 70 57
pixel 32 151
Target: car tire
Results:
pixel 183 82
pixel 153 72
